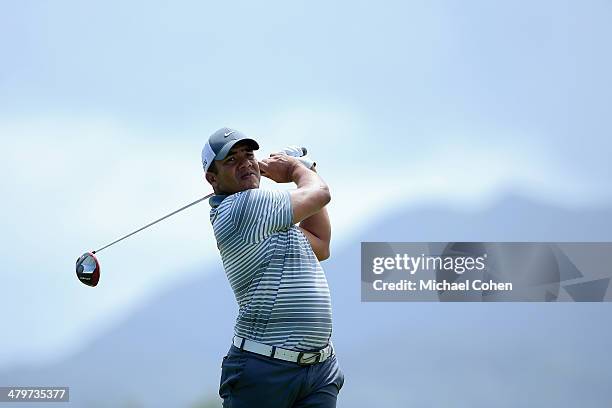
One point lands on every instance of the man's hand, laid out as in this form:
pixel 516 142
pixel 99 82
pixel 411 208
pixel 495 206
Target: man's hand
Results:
pixel 279 167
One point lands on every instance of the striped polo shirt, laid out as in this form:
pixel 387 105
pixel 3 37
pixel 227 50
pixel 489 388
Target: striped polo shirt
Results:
pixel 280 287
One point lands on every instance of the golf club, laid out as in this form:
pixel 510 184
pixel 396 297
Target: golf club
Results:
pixel 88 267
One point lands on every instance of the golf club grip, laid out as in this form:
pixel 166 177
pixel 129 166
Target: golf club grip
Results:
pixel 155 222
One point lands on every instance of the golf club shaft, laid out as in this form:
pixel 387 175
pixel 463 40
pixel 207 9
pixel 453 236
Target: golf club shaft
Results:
pixel 155 222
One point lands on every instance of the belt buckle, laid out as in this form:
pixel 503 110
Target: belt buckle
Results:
pixel 317 356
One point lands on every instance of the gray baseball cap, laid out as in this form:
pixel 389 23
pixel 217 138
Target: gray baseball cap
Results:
pixel 220 143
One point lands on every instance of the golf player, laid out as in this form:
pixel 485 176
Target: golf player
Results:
pixel 281 355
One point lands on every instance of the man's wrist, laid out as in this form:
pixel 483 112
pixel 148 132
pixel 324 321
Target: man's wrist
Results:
pixel 298 171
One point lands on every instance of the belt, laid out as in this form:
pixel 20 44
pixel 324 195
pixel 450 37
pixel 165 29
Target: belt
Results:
pixel 303 358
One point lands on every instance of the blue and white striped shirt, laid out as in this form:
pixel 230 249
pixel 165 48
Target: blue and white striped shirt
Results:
pixel 280 287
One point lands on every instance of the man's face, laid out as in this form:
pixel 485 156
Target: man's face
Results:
pixel 239 171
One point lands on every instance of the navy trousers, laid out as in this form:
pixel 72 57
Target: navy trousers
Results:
pixel 249 380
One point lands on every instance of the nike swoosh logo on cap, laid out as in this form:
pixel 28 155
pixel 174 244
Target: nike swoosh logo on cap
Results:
pixel 228 133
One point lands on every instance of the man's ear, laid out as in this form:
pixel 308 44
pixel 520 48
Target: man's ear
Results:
pixel 211 178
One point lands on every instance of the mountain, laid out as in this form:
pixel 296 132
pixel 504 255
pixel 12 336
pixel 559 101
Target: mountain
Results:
pixel 393 354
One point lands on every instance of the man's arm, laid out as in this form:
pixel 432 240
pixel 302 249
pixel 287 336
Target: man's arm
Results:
pixel 317 229
pixel 312 193
pixel 307 201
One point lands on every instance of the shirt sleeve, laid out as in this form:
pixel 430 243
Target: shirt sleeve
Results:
pixel 257 213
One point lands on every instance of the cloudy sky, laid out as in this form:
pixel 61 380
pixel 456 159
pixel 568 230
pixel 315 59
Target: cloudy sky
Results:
pixel 104 108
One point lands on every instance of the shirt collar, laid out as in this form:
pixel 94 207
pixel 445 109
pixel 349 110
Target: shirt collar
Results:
pixel 215 200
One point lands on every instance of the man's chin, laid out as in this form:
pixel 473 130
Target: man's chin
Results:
pixel 252 186
pixel 249 184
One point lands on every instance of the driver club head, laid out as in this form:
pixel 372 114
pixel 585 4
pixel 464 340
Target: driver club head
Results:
pixel 88 269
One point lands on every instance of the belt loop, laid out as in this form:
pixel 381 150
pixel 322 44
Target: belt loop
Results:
pixel 242 344
pixel 273 351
